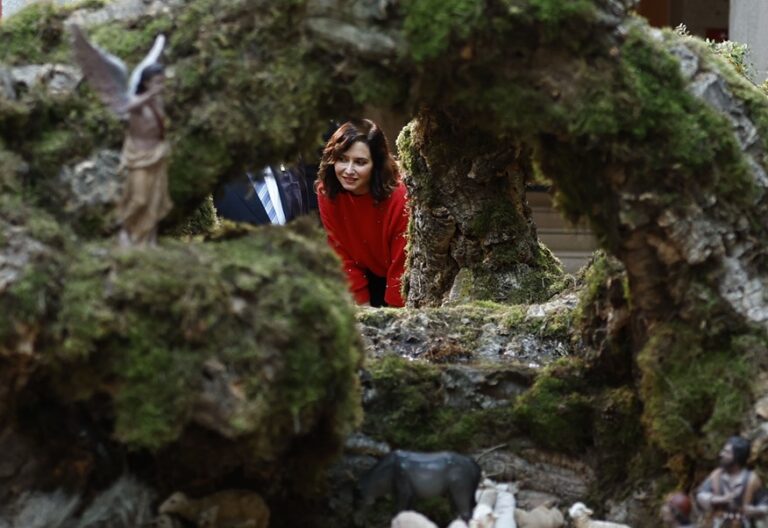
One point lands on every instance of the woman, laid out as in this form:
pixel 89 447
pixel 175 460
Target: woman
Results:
pixel 363 208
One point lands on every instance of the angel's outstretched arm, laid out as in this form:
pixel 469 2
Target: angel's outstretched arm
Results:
pixel 142 99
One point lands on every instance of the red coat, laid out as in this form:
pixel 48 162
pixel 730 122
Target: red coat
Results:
pixel 368 237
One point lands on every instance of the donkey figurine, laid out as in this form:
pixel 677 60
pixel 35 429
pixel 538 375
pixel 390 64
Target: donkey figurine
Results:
pixel 409 475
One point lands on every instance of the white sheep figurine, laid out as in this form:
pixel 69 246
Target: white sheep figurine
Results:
pixel 411 519
pixel 539 517
pixel 482 517
pixel 582 518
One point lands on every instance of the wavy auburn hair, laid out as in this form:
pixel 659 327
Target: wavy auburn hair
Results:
pixel 384 175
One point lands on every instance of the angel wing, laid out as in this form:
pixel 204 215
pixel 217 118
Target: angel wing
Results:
pixel 151 58
pixel 106 73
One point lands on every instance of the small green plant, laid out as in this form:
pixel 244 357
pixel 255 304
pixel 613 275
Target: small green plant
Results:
pixel 735 53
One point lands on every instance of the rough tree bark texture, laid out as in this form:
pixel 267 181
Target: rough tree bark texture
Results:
pixel 471 234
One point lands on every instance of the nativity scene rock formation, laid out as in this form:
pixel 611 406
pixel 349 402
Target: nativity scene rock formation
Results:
pixel 230 356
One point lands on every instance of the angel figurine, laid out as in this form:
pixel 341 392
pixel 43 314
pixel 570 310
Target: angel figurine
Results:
pixel 144 160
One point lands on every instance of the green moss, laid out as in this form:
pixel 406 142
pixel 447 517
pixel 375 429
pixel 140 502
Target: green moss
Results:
pixel 31 35
pixel 557 326
pixel 514 316
pixel 618 433
pixel 567 412
pixel 141 324
pixel 638 114
pixel 36 34
pixel 409 411
pixel 729 59
pixel 666 103
pixel 695 387
pixel 379 87
pixel 555 17
pixel 47 130
pixel 202 221
pixel 432 25
pixel 31 296
pixel 406 150
pixel 530 283
pixel 601 270
pixel 10 170
pixel 556 411
pixel 736 53
pixel 14 116
pixel 679 123
pixel 492 94
pixel 200 156
pixel 648 77
pixel 56 131
pixel 89 4
pixel 494 218
pixel 52 147
pixel 130 45
pixel 156 389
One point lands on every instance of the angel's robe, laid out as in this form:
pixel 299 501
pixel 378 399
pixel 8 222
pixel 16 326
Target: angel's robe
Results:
pixel 145 200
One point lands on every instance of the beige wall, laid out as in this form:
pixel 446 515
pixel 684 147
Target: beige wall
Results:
pixel 749 24
pixel 573 245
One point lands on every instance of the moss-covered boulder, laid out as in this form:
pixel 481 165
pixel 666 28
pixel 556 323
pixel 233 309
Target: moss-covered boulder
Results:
pixel 251 336
pixel 162 313
pixel 462 378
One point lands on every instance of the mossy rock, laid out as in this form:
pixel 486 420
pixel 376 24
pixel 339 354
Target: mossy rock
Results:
pixel 249 302
pixel 32 259
pixel 409 410
pixel 33 35
pixel 268 307
pixel 557 410
pixel 696 388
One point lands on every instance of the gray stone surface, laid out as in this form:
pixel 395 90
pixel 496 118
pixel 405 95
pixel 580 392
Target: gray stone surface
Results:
pixel 93 182
pixel 366 43
pixel 483 334
pixel 7 90
pixel 122 10
pixel 57 79
pixel 697 233
pixel 17 252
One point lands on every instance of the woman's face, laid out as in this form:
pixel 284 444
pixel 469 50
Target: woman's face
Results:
pixel 354 167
